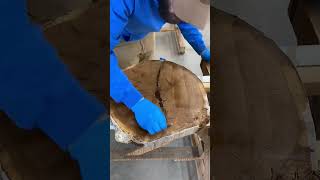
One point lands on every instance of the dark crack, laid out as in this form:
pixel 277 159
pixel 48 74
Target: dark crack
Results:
pixel 157 93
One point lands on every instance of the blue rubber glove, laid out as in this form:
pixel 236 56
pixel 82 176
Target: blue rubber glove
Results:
pixel 205 55
pixel 91 151
pixel 149 116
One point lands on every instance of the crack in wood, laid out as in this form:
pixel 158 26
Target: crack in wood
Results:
pixel 157 92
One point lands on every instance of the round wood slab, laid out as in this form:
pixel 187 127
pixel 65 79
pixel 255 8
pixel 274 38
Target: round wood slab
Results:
pixel 176 90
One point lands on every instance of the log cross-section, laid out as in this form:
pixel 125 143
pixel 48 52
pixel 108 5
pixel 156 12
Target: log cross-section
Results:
pixel 177 91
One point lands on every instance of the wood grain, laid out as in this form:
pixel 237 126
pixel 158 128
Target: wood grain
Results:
pixel 177 91
pixel 262 127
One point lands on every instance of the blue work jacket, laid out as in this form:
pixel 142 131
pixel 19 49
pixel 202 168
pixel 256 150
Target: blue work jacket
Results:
pixel 131 20
pixel 36 89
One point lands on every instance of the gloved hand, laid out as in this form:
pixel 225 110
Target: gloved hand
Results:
pixel 205 55
pixel 149 116
pixel 91 151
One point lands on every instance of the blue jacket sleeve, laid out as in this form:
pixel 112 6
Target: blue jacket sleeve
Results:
pixel 121 89
pixel 36 89
pixel 193 36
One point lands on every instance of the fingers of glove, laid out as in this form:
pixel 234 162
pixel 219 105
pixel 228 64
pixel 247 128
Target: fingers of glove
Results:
pixel 152 128
pixel 206 55
pixel 163 124
pixel 156 128
pixel 148 126
pixel 207 58
pixel 151 131
pixel 161 121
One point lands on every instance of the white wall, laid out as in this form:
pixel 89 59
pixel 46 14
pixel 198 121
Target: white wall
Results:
pixel 269 16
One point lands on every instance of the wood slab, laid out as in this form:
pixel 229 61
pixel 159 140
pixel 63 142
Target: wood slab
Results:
pixel 176 90
pixel 263 127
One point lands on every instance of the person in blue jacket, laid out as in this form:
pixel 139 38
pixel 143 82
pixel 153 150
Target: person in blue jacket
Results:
pixel 37 91
pixel 132 20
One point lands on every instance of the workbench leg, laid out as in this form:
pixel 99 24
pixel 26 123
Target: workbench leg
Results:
pixel 203 164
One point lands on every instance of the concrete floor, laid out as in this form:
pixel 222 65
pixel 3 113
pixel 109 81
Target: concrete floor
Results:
pixel 151 169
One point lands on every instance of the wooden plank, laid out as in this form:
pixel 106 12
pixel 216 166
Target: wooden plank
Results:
pixel 205 68
pixel 164 153
pixel 313 10
pixel 206 82
pixel 168 28
pixel 180 41
pixel 301 22
pixel 207 86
